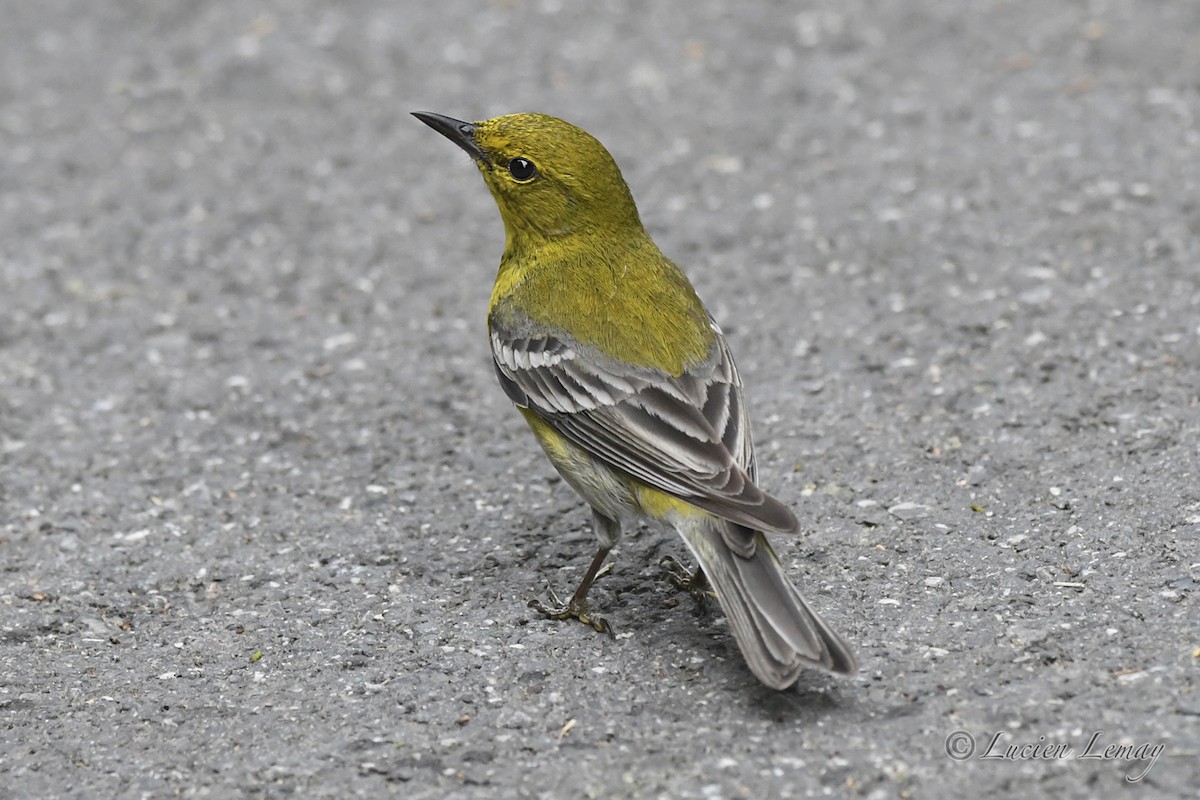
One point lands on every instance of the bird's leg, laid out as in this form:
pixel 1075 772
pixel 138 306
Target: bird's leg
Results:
pixel 694 582
pixel 577 607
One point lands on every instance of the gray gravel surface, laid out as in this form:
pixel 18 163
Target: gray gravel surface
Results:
pixel 268 527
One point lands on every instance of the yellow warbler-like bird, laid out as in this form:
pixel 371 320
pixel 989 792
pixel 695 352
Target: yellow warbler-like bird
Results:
pixel 629 385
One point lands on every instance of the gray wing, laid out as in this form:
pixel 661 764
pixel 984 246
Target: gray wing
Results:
pixel 687 436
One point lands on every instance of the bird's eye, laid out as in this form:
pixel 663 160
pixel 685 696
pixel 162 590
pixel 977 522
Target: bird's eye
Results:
pixel 522 169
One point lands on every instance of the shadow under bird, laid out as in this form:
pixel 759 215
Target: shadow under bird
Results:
pixel 629 385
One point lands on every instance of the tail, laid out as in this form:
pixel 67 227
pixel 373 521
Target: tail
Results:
pixel 778 634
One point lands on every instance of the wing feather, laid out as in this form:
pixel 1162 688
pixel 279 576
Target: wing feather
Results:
pixel 686 435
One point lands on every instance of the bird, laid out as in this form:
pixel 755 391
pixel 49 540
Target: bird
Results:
pixel 629 385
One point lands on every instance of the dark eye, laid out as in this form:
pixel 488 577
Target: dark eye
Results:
pixel 522 169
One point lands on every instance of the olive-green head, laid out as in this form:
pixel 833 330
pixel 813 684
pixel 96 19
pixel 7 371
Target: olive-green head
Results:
pixel 549 178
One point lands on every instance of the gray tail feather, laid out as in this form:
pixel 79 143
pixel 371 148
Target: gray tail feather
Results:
pixel 778 634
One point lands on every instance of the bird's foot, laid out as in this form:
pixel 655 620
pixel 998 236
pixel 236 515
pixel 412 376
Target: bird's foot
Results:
pixel 575 609
pixel 694 582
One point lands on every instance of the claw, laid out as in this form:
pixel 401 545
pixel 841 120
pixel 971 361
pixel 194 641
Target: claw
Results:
pixel 562 611
pixel 694 582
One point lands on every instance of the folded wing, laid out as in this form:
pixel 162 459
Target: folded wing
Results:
pixel 687 436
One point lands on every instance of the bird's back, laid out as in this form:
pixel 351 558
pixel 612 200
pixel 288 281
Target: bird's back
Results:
pixel 624 298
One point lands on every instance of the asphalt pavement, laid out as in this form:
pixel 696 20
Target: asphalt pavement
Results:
pixel 268 526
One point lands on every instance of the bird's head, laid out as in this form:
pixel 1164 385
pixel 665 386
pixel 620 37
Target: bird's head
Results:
pixel 549 178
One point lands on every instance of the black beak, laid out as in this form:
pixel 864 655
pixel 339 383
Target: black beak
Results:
pixel 457 131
